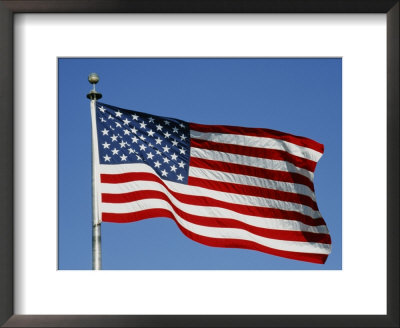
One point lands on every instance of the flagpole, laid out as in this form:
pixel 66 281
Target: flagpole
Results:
pixel 93 95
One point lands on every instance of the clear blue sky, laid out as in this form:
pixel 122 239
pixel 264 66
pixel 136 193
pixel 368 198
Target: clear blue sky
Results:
pixel 297 96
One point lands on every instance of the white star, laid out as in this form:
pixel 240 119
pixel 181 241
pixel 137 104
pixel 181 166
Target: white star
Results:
pixel 159 127
pixel 143 125
pixel 151 120
pixel 158 141
pixel 182 151
pixel 114 137
pixel 102 119
pixel 180 177
pixel 106 145
pixel 123 157
pixel 134 131
pixel 135 140
pixel 181 125
pixel 181 164
pixel 142 138
pixel 151 145
pixel 158 152
pixel 143 147
pixel 118 125
pixel 167 134
pixel 183 137
pixel 150 155
pixel 166 122
pixel 110 117
pixel 166 149
pixel 175 129
pixel 174 157
pixel 175 143
pixel 112 128
pixel 115 151
pixel 131 151
pixel 166 160
pixel 150 133
pixel 123 144
pixel 126 121
pixel 107 158
pixel 105 132
pixel 102 109
pixel 157 164
pixel 173 168
pixel 164 173
pixel 135 117
pixel 126 132
pixel 138 157
pixel 118 114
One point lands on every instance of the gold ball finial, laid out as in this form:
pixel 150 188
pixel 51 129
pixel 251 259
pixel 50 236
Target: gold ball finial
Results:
pixel 93 78
pixel 93 94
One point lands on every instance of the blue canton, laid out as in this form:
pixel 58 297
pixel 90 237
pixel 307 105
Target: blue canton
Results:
pixel 127 136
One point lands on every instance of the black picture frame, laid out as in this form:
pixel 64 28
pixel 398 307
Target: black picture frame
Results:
pixel 7 91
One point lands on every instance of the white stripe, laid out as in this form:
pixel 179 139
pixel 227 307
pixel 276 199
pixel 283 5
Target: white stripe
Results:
pixel 215 175
pixel 219 195
pixel 209 211
pixel 259 142
pixel 222 233
pixel 264 163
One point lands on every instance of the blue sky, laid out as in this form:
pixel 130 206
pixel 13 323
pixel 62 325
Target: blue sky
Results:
pixel 297 96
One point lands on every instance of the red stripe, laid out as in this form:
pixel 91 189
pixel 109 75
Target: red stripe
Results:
pixel 251 171
pixel 259 211
pixel 273 154
pixel 253 191
pixel 220 222
pixel 258 132
pixel 216 242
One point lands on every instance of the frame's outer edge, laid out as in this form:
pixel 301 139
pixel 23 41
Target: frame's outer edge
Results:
pixel 8 8
pixel 200 6
pixel 393 167
pixel 6 164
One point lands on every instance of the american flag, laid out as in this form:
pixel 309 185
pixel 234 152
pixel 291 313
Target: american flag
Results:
pixel 224 186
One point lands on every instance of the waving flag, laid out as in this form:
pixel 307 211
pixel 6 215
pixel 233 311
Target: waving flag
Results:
pixel 224 186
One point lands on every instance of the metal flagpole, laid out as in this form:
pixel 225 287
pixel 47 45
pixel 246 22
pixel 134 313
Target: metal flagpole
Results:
pixel 96 224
